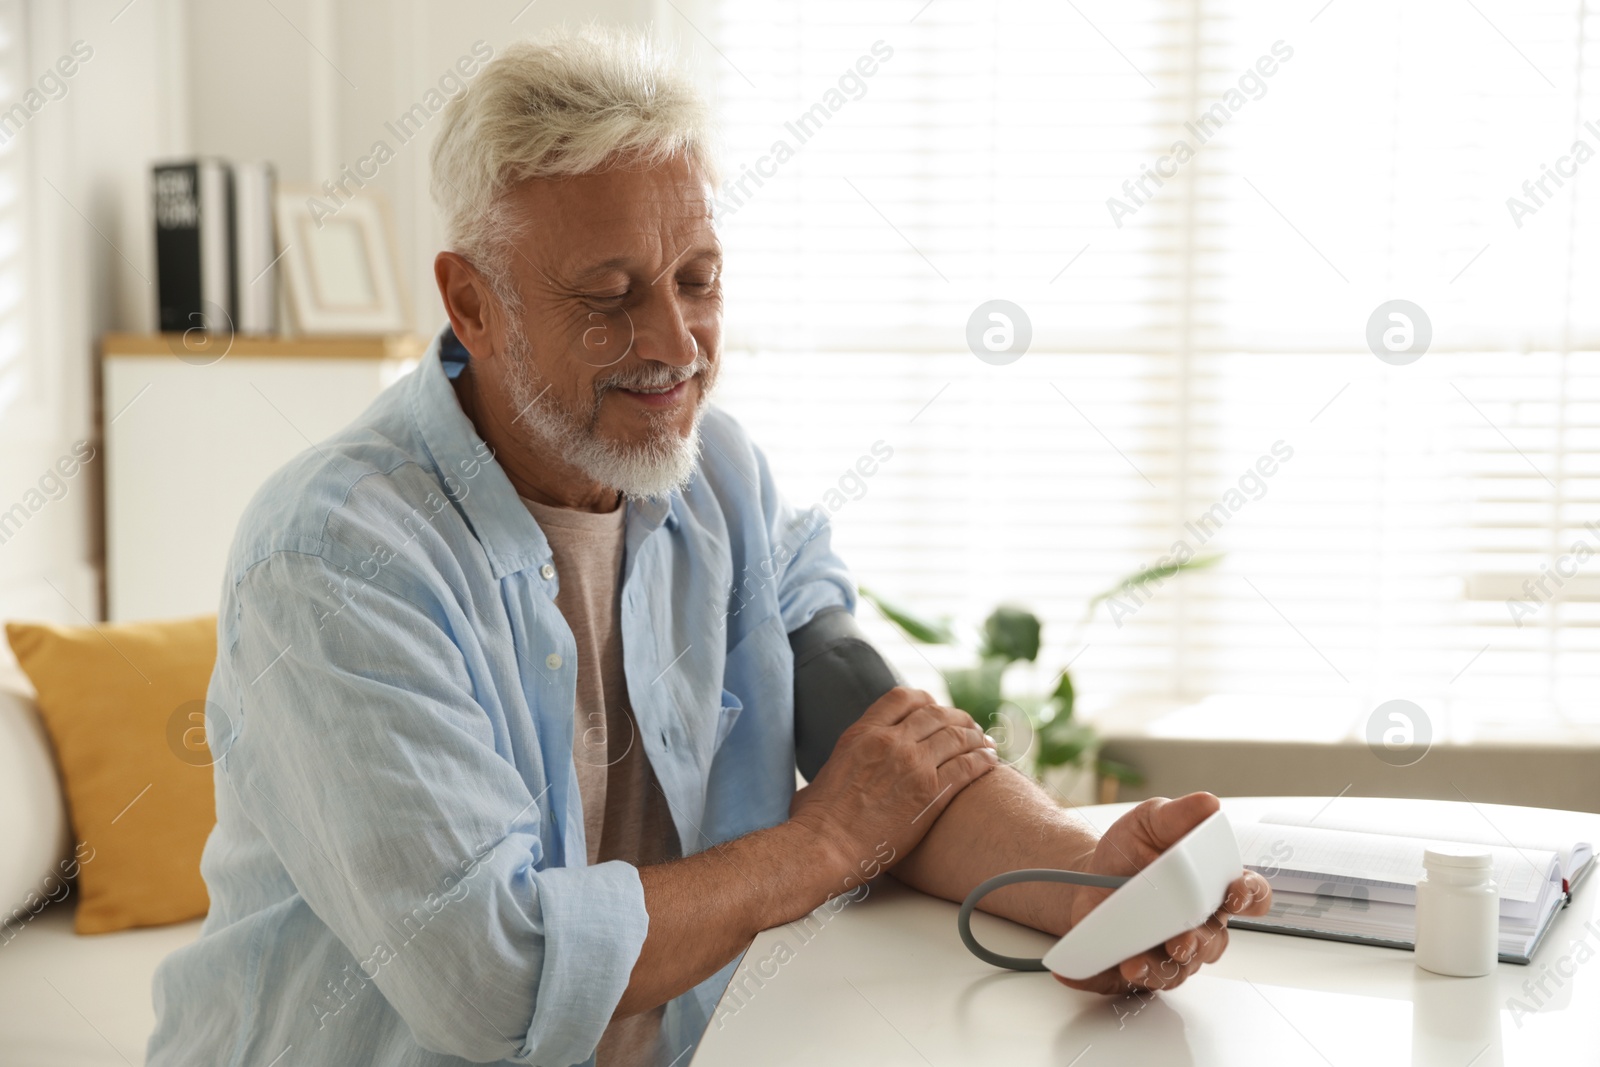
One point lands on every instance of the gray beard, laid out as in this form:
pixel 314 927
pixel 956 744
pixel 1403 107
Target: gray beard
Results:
pixel 655 468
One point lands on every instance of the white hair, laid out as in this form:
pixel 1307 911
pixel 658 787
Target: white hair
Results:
pixel 564 104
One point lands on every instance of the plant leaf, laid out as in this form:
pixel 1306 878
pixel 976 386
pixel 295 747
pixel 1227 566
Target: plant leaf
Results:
pixel 927 632
pixel 1159 573
pixel 1110 768
pixel 976 690
pixel 1062 743
pixel 1064 697
pixel 1011 633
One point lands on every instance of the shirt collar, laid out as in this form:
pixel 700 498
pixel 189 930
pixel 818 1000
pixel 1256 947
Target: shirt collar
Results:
pixel 510 537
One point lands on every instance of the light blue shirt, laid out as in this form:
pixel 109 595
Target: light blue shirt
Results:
pixel 398 872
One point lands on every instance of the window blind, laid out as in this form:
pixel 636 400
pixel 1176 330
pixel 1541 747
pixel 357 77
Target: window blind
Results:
pixel 13 83
pixel 1199 207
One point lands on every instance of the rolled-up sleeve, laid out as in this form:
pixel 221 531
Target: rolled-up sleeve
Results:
pixel 363 757
pixel 810 575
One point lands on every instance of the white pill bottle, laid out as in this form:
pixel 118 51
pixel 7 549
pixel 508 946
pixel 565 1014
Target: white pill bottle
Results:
pixel 1458 913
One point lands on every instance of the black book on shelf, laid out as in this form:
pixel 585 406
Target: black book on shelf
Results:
pixel 195 276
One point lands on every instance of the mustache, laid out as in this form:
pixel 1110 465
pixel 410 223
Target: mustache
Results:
pixel 652 376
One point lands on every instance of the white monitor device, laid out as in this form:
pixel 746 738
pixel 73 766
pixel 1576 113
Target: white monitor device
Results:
pixel 1178 891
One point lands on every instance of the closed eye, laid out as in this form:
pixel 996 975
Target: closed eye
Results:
pixel 700 284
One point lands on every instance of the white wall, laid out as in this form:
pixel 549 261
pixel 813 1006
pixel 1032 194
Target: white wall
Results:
pixel 84 198
pixel 306 84
pixel 314 96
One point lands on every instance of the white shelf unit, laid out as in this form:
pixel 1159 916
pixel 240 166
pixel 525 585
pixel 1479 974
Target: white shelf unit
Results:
pixel 187 443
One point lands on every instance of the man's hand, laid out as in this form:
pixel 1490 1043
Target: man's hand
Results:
pixel 891 775
pixel 1131 843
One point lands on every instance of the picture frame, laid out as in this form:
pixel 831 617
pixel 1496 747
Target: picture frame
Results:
pixel 338 262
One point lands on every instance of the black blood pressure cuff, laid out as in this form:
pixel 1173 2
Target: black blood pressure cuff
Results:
pixel 837 676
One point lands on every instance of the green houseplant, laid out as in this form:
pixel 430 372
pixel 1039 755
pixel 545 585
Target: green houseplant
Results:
pixel 1011 634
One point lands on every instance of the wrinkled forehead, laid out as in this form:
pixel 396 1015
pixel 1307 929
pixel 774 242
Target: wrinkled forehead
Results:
pixel 625 214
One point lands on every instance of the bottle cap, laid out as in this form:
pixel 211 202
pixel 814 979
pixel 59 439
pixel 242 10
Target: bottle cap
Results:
pixel 1466 857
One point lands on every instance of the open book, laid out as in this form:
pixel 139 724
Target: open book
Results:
pixel 1348 872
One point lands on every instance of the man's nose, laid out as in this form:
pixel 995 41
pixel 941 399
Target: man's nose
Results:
pixel 661 332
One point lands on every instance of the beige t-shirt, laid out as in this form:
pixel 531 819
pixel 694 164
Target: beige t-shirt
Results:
pixel 625 814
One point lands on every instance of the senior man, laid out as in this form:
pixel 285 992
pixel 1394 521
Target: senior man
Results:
pixel 504 699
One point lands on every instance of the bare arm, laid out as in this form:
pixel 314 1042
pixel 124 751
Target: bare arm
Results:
pixel 1005 821
pixel 890 777
pixel 705 908
pixel 998 824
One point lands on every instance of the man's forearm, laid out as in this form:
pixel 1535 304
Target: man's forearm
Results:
pixel 999 823
pixel 904 758
pixel 706 908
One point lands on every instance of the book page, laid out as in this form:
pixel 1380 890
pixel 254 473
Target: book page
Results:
pixel 1532 829
pixel 1379 859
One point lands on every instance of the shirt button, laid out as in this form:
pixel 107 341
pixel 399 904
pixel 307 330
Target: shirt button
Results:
pixel 547 572
pixel 553 661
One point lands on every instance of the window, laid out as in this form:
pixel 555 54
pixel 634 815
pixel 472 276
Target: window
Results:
pixel 1202 210
pixel 13 82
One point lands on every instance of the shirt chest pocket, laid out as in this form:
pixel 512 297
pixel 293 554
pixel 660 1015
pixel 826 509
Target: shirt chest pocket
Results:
pixel 727 717
pixel 758 673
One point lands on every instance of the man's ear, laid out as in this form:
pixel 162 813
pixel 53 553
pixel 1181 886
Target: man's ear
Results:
pixel 468 301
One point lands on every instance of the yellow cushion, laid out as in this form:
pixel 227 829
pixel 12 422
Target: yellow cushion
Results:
pixel 120 703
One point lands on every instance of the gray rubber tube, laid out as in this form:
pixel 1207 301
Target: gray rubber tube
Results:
pixel 1029 874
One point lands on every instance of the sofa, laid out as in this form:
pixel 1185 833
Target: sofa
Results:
pixel 66 1000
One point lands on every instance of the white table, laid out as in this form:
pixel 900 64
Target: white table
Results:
pixel 886 981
